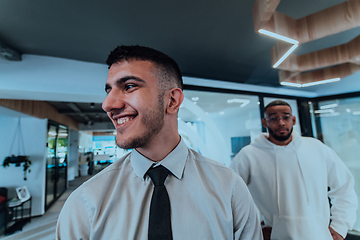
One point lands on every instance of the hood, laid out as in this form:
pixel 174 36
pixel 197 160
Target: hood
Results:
pixel 262 142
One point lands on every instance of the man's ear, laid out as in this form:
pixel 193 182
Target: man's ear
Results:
pixel 263 121
pixel 175 98
pixel 294 120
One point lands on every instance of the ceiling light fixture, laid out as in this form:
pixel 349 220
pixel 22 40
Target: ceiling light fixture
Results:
pixel 356 113
pixel 195 98
pixel 291 84
pixel 325 111
pixel 320 82
pixel 282 38
pixel 285 56
pixel 278 36
pixel 243 102
pixel 330 114
pixel 333 105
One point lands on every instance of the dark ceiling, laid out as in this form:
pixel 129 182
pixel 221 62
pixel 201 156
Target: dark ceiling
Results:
pixel 209 39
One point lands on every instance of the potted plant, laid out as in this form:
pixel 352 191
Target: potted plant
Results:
pixel 17 160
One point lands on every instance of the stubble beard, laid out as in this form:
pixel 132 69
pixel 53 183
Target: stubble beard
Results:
pixel 280 138
pixel 153 122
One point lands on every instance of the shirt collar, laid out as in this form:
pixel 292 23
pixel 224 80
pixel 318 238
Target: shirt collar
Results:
pixel 174 161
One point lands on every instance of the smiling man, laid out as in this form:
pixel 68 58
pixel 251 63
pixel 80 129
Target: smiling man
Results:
pixel 292 179
pixel 162 189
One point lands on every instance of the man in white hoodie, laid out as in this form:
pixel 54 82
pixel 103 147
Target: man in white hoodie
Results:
pixel 301 187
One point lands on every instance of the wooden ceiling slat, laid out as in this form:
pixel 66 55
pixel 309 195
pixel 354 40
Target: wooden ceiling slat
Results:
pixel 337 61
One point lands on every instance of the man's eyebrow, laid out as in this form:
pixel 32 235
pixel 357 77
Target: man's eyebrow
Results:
pixel 286 113
pixel 123 80
pixel 127 78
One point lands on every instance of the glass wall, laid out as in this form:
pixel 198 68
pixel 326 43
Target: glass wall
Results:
pixel 338 124
pixel 218 125
pixel 106 145
pixel 56 162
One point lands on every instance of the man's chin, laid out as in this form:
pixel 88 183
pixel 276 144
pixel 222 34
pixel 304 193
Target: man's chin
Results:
pixel 280 138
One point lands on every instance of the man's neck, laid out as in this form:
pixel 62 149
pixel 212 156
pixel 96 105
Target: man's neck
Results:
pixel 159 149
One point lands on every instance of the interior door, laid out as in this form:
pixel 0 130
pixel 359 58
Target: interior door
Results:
pixel 56 162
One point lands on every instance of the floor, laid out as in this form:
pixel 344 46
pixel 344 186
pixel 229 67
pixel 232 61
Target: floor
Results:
pixel 43 228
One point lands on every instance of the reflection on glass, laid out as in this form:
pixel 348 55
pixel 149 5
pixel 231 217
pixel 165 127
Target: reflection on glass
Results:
pixel 56 162
pixel 50 163
pixel 212 123
pixel 340 131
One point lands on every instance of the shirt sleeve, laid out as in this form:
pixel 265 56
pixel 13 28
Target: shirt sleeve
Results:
pixel 246 220
pixel 73 221
pixel 241 166
pixel 342 195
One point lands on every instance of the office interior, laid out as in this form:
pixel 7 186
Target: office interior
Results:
pixel 52 79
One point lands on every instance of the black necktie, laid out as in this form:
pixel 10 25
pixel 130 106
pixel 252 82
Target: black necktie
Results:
pixel 159 220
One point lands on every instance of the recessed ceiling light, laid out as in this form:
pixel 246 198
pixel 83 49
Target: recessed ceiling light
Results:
pixel 333 105
pixel 325 111
pixel 195 98
pixel 243 102
pixel 348 110
pixel 330 114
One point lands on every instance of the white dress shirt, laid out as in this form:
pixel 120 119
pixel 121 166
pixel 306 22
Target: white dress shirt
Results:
pixel 208 201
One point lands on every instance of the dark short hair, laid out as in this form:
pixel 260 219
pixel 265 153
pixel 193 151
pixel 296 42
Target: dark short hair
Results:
pixel 168 68
pixel 276 103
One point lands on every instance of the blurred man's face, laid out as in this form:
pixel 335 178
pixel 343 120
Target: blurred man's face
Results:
pixel 279 121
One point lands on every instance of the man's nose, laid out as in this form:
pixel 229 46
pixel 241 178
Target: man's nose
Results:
pixel 281 121
pixel 113 101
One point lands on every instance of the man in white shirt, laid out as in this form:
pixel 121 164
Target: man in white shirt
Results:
pixel 289 176
pixel 207 199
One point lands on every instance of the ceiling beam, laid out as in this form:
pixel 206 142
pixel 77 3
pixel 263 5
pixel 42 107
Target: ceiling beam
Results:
pixel 335 62
pixel 263 11
pixel 338 71
pixel 348 52
pixel 336 19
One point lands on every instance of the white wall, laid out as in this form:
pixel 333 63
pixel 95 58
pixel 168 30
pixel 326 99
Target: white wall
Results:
pixel 34 133
pixel 85 141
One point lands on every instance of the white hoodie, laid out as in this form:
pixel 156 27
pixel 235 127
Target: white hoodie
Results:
pixel 290 183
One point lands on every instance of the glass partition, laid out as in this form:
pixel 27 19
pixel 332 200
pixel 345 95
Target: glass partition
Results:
pixel 339 121
pixel 218 125
pixel 56 162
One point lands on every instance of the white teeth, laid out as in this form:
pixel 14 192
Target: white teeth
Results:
pixel 123 120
